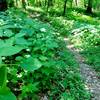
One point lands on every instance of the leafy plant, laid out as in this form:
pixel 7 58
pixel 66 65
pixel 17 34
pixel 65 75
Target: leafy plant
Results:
pixel 36 59
pixel 87 39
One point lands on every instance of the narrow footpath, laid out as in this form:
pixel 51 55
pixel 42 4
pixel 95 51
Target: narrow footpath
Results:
pixel 92 83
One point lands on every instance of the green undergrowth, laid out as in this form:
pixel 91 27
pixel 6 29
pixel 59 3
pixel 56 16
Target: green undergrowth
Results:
pixel 74 19
pixel 35 62
pixel 82 29
pixel 87 39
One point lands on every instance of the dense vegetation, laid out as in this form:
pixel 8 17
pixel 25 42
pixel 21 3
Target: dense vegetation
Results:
pixel 87 38
pixel 34 59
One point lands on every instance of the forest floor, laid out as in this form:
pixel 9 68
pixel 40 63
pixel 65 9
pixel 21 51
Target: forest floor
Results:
pixel 60 50
pixel 89 75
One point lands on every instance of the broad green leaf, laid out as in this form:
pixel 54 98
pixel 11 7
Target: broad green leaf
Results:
pixel 8 33
pixel 10 50
pixel 21 41
pixel 31 64
pixel 20 34
pixel 10 27
pixel 43 58
pixel 7 42
pixel 30 87
pixel 6 94
pixel 19 58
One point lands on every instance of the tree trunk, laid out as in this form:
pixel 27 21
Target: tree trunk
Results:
pixel 76 2
pixel 71 3
pixel 24 4
pixel 89 7
pixel 11 3
pixel 49 4
pixel 85 4
pixel 64 7
pixel 3 5
pixel 45 2
pixel 16 3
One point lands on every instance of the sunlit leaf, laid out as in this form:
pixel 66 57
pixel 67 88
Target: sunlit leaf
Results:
pixel 6 94
pixel 11 50
pixel 31 64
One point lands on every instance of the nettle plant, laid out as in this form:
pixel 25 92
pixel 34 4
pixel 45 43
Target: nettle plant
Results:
pixel 34 61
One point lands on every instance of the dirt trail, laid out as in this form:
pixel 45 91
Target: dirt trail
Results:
pixel 92 83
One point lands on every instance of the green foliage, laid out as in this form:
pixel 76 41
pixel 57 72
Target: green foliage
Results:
pixel 87 38
pixel 9 50
pixel 6 94
pixel 37 60
pixel 92 57
pixel 84 31
pixel 88 35
pixel 3 76
pixel 31 64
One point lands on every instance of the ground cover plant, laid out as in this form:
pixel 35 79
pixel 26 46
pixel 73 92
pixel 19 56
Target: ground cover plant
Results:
pixel 34 61
pixel 87 39
pixel 83 31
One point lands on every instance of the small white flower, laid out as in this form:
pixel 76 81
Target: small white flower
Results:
pixel 27 56
pixel 3 58
pixel 36 19
pixel 71 71
pixel 20 75
pixel 20 19
pixel 27 49
pixel 43 30
pixel 25 71
pixel 15 24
